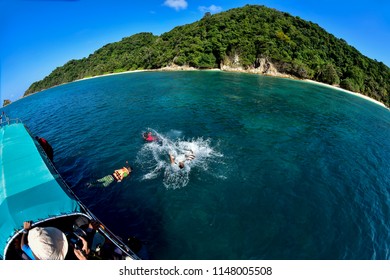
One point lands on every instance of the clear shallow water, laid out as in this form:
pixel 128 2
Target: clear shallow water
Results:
pixel 285 169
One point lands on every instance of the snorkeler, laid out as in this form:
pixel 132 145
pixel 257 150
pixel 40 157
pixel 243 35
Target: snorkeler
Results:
pixel 187 158
pixel 117 176
pixel 149 137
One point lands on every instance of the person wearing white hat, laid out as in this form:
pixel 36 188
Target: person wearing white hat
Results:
pixel 44 243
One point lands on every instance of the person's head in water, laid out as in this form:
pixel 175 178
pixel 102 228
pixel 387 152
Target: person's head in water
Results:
pixel 128 167
pixel 172 159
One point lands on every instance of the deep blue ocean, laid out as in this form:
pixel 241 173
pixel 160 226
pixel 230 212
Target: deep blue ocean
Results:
pixel 283 170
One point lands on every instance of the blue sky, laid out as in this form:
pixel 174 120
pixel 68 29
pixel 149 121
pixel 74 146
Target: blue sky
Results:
pixel 39 35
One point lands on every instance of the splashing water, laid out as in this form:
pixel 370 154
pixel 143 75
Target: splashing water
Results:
pixel 154 158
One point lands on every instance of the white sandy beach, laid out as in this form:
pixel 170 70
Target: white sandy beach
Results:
pixel 110 74
pixel 347 91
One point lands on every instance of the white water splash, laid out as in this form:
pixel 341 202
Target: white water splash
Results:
pixel 154 158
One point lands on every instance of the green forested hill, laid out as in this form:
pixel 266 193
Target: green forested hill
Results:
pixel 238 37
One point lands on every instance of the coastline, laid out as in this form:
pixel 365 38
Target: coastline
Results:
pixel 347 91
pixel 105 75
pixel 228 69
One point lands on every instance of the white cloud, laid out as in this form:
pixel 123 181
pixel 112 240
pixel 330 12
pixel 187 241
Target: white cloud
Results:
pixel 176 4
pixel 212 9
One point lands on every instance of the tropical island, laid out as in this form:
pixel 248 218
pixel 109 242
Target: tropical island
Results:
pixel 252 39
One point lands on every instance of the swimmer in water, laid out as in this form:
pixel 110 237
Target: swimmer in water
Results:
pixel 188 157
pixel 117 176
pixel 149 137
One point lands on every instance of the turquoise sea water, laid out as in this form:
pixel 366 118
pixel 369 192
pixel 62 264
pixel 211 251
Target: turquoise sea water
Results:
pixel 284 169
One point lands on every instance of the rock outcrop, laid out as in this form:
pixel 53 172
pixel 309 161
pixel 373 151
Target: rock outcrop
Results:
pixel 261 66
pixel 6 102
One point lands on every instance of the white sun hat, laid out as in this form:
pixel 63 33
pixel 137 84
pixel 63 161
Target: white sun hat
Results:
pixel 48 243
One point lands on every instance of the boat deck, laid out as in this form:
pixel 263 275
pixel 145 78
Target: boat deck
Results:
pixel 27 187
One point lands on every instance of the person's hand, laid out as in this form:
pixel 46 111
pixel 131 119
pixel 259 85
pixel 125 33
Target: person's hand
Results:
pixel 82 253
pixel 85 245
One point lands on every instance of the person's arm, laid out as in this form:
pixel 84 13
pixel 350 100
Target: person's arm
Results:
pixel 172 158
pixel 26 228
pixel 93 225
